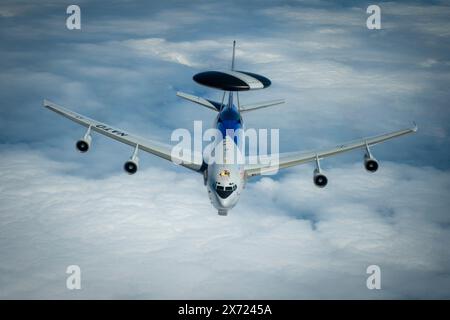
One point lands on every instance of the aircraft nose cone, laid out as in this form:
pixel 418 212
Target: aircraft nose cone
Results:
pixel 227 202
pixel 223 202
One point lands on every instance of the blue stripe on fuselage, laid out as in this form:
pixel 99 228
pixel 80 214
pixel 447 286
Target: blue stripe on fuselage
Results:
pixel 229 119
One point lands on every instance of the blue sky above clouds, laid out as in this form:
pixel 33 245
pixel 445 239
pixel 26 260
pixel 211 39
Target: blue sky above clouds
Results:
pixel 155 234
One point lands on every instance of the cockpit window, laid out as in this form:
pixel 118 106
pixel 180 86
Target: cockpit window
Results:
pixel 224 192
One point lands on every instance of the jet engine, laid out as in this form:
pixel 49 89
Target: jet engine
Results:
pixel 320 180
pixel 132 165
pixel 84 144
pixel 370 163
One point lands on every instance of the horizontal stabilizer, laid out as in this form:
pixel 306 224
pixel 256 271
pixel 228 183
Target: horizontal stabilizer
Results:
pixel 260 105
pixel 213 105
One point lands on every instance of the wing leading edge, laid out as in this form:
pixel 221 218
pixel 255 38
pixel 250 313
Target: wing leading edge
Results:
pixel 154 147
pixel 290 159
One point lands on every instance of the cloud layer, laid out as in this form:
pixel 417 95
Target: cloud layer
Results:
pixel 155 235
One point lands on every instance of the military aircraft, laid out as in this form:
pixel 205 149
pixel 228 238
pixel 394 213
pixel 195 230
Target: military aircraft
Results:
pixel 225 180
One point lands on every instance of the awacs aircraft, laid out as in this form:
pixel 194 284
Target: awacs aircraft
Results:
pixel 225 181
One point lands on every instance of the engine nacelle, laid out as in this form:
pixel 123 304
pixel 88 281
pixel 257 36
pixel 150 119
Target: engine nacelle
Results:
pixel 131 166
pixel 320 180
pixel 84 144
pixel 370 163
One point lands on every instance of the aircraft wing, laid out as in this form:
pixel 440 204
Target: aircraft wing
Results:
pixel 154 147
pixel 290 159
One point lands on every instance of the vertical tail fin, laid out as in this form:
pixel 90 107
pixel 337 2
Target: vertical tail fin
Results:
pixel 232 60
pixel 230 94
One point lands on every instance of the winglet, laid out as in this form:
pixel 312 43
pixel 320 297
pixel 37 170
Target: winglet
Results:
pixel 415 128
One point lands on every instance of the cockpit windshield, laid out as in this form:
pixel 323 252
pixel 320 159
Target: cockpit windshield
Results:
pixel 225 191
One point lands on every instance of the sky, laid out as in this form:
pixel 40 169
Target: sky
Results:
pixel 155 235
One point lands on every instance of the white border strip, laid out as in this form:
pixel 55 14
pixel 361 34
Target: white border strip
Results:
pixel 253 83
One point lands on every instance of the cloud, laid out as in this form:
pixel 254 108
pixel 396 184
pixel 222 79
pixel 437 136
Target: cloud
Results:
pixel 10 10
pixel 155 235
pixel 173 52
pixel 430 20
pixel 347 17
pixel 203 53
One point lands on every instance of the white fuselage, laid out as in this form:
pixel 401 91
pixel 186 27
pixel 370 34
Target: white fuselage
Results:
pixel 225 179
